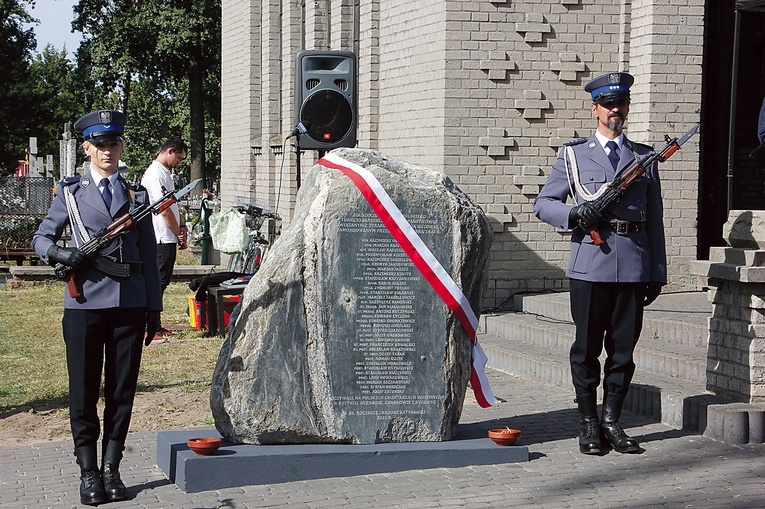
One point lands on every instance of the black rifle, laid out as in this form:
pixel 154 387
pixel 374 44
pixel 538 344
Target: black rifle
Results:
pixel 119 227
pixel 615 189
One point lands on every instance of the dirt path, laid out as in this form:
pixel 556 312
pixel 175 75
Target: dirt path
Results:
pixel 172 408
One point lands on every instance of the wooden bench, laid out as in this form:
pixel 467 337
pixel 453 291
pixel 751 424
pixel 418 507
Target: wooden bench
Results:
pixel 19 256
pixel 180 272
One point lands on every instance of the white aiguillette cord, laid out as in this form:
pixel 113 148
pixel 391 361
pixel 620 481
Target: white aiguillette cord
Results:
pixel 573 176
pixel 75 218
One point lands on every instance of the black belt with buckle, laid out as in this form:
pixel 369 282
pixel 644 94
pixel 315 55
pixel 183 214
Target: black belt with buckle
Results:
pixel 625 227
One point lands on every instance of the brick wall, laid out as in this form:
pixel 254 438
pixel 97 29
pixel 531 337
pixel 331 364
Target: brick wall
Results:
pixel 667 48
pixel 411 81
pixel 487 92
pixel 369 73
pixel 240 91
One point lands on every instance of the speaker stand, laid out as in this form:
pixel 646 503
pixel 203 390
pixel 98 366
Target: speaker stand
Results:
pixel 297 159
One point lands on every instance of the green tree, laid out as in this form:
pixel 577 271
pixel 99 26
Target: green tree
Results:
pixel 16 99
pixel 175 43
pixel 60 98
pixel 156 114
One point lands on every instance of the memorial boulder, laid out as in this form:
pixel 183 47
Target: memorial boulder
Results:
pixel 339 338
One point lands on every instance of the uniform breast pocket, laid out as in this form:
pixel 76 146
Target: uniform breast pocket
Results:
pixel 592 180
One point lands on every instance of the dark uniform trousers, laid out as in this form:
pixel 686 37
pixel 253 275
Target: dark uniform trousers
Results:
pixel 94 337
pixel 606 315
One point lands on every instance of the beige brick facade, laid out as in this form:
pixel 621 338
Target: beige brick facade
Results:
pixel 485 91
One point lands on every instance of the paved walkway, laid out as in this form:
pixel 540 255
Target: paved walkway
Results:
pixel 675 469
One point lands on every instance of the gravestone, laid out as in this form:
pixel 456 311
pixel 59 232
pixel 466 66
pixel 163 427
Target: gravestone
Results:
pixel 338 337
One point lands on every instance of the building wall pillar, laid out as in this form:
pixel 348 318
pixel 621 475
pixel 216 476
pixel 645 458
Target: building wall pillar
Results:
pixel 666 51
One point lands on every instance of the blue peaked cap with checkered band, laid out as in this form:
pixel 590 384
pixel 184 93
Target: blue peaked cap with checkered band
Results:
pixel 101 125
pixel 610 87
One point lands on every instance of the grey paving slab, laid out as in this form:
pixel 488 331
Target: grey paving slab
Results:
pixel 674 469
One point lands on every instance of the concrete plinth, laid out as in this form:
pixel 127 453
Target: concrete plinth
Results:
pixel 242 465
pixel 736 350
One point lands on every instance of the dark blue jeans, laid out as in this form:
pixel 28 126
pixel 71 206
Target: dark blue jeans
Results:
pixel 166 254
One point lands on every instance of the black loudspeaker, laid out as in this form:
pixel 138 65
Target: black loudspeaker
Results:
pixel 325 99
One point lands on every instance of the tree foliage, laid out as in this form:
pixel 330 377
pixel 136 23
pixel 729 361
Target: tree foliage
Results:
pixel 156 114
pixel 16 102
pixel 158 61
pixel 59 98
pixel 169 46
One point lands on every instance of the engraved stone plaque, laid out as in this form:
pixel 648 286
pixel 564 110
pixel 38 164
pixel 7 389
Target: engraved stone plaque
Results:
pixel 339 337
pixel 386 339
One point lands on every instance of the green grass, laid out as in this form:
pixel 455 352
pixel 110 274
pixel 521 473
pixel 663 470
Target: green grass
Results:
pixel 32 353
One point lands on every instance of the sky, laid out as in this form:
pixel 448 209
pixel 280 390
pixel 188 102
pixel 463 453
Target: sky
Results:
pixel 55 25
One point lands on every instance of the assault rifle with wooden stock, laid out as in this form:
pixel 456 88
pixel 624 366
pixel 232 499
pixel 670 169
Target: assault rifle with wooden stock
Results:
pixel 117 228
pixel 615 189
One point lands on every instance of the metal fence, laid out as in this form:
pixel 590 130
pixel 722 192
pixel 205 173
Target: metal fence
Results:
pixel 24 202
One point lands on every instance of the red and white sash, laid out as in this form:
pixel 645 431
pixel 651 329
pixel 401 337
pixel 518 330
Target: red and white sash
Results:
pixel 423 259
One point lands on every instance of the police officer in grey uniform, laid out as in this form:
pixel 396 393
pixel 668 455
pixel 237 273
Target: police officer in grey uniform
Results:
pixel 611 283
pixel 109 316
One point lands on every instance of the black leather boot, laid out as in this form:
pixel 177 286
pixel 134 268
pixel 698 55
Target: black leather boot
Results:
pixel 91 487
pixel 113 486
pixel 589 434
pixel 612 430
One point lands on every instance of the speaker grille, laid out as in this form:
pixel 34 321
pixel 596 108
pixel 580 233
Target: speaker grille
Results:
pixel 312 83
pixel 327 116
pixel 342 85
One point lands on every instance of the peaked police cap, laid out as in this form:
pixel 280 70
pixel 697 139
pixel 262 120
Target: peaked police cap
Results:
pixel 101 125
pixel 610 87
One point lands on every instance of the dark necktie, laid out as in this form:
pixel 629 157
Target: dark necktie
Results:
pixel 613 155
pixel 106 193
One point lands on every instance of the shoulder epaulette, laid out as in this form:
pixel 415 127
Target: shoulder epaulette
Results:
pixel 131 189
pixel 643 146
pixel 575 142
pixel 70 180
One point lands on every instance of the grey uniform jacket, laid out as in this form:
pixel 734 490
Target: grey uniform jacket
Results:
pixel 632 258
pixel 99 291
